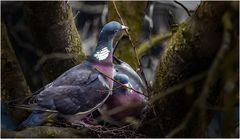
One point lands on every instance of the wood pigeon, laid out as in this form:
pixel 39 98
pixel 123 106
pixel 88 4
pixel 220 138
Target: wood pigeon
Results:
pixel 80 90
pixel 123 96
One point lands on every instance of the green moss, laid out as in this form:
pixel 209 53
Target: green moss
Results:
pixel 174 54
pixel 47 131
pixel 74 46
pixel 190 52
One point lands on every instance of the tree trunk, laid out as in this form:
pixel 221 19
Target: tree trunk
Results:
pixel 189 52
pixel 13 82
pixel 55 34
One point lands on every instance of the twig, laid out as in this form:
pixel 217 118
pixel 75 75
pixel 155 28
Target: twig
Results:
pixel 117 60
pixel 123 108
pixel 173 90
pixel 74 17
pixel 184 7
pixel 114 4
pixel 120 83
pixel 182 125
pixel 124 131
pixel 157 97
pixel 201 101
pixel 100 129
pixel 134 48
pixel 116 44
pixel 109 89
pixel 177 87
pixel 44 58
pixel 226 40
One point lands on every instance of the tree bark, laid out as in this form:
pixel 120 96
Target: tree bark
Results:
pixel 189 52
pixel 13 82
pixel 54 31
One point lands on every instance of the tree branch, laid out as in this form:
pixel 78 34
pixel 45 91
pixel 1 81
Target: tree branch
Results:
pixel 191 50
pixel 158 39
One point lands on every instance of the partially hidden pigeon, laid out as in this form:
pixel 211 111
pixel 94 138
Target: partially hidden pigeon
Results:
pixel 134 102
pixel 80 90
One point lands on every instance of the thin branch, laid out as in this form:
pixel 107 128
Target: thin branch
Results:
pixel 125 131
pixel 117 59
pixel 44 58
pixel 120 83
pixel 134 48
pixel 143 47
pixel 174 89
pixel 75 16
pixel 109 89
pixel 184 7
pixel 183 124
pixel 123 108
pixel 157 97
pixel 177 87
pixel 114 4
pixel 116 44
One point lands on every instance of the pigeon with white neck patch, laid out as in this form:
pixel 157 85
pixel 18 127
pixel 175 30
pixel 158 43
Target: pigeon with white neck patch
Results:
pixel 81 89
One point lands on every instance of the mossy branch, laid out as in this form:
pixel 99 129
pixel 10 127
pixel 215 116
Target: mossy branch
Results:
pixel 191 50
pixel 153 41
pixel 45 132
pixel 201 101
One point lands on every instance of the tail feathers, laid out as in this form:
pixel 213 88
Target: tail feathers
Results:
pixel 35 119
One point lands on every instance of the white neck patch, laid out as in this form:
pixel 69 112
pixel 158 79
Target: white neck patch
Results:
pixel 102 54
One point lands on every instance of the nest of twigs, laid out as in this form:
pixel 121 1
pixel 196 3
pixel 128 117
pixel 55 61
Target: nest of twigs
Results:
pixel 104 131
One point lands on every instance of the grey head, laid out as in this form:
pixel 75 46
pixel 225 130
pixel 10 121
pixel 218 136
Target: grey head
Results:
pixel 134 79
pixel 107 34
pixel 117 88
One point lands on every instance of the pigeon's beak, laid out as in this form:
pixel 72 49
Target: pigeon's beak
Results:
pixel 124 27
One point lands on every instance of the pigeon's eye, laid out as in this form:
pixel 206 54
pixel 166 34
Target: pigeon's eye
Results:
pixel 115 31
